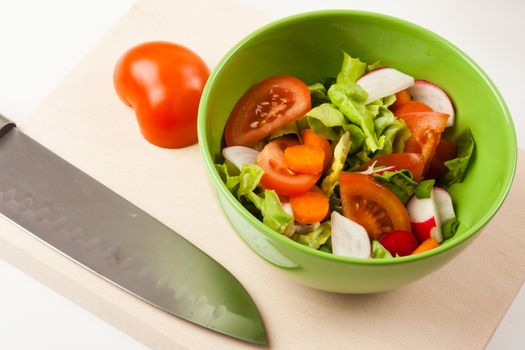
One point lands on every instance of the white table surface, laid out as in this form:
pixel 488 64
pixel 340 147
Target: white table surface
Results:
pixel 42 40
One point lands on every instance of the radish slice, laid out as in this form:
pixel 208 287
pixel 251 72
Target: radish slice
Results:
pixel 349 238
pixel 240 155
pixel 383 82
pixel 424 219
pixel 444 205
pixel 434 97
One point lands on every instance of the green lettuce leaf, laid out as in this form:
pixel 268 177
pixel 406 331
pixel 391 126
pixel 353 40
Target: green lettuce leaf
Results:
pixel 351 69
pixel 318 94
pixel 424 189
pixel 350 99
pixel 449 228
pixel 326 120
pixel 356 136
pixel 392 132
pixel 288 129
pixel 379 252
pixel 375 65
pixel 245 187
pixel 316 238
pixel 400 182
pixel 457 167
pixel 340 154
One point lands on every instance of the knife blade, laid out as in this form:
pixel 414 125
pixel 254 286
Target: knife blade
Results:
pixel 87 222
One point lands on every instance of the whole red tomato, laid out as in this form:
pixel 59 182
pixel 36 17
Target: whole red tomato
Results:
pixel 163 82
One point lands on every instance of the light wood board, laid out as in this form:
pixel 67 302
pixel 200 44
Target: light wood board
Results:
pixel 83 121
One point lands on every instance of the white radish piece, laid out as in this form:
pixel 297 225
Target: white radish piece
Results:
pixel 434 97
pixel 240 155
pixel 383 82
pixel 424 219
pixel 349 238
pixel 444 206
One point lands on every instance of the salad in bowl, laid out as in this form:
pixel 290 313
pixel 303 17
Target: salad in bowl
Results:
pixel 357 165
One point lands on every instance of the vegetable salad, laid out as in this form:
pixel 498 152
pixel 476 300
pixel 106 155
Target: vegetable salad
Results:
pixel 355 165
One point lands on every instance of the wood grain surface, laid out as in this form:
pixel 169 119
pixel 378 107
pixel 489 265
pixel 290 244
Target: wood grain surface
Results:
pixel 83 121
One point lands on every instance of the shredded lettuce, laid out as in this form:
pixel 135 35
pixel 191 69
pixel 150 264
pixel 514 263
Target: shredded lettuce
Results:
pixel 379 252
pixel 375 65
pixel 351 69
pixel 315 238
pixel 318 94
pixel 327 121
pixel 424 189
pixel 400 182
pixel 244 187
pixel 288 129
pixel 458 166
pixel 350 99
pixel 449 228
pixel 340 154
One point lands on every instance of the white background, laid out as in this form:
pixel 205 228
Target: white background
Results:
pixel 40 41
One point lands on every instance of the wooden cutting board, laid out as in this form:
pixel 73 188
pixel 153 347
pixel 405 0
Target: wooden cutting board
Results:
pixel 457 307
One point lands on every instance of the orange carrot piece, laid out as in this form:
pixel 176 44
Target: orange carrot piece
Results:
pixel 304 159
pixel 425 246
pixel 310 207
pixel 412 107
pixel 402 98
pixel 312 139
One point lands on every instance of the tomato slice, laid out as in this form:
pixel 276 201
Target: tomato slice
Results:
pixel 411 107
pixel 402 98
pixel 445 151
pixel 372 205
pixel 265 108
pixel 412 162
pixel 426 129
pixel 277 176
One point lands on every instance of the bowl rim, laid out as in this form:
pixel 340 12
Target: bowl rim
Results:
pixel 269 233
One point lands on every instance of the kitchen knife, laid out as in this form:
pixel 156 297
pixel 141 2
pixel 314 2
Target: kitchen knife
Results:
pixel 86 221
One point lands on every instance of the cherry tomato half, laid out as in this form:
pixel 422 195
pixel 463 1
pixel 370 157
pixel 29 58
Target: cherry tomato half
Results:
pixel 266 108
pixel 277 176
pixel 163 82
pixel 372 205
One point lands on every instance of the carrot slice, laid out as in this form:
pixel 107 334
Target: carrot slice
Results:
pixel 402 98
pixel 310 207
pixel 304 159
pixel 312 139
pixel 412 107
pixel 426 246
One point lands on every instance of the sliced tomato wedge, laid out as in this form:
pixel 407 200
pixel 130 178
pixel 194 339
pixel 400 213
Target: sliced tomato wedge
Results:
pixel 426 129
pixel 277 176
pixel 411 107
pixel 412 162
pixel 372 205
pixel 446 150
pixel 265 108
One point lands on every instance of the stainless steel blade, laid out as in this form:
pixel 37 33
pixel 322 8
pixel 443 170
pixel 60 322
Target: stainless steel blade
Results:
pixel 86 221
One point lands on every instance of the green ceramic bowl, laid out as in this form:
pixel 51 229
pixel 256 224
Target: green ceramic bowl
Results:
pixel 309 47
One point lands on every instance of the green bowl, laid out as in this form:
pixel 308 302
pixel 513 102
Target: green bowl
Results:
pixel 309 47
